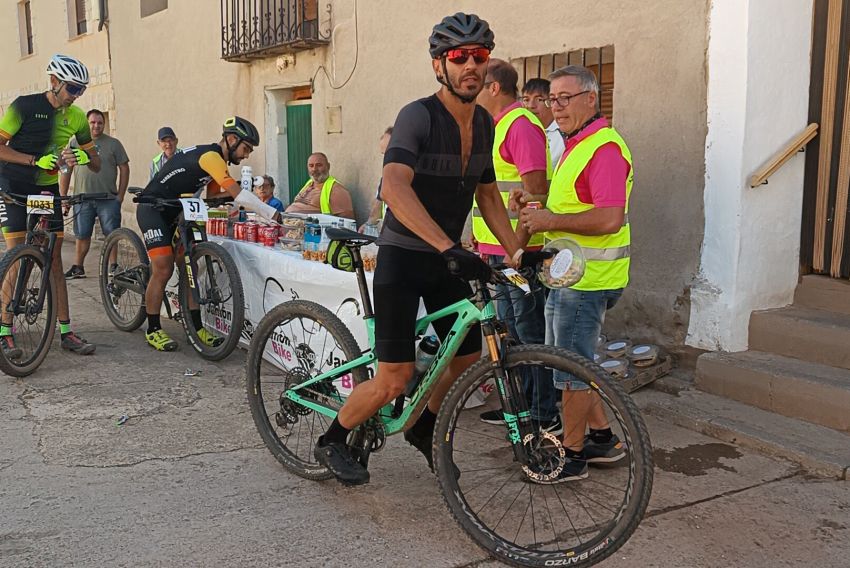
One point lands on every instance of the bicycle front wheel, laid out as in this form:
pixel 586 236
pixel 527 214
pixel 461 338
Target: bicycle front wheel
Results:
pixel 533 515
pixel 124 272
pixel 30 313
pixel 295 341
pixel 221 302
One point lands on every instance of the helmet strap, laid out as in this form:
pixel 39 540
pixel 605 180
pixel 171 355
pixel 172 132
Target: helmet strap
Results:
pixel 466 99
pixel 231 147
pixel 55 91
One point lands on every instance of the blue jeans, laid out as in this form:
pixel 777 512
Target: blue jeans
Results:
pixel 524 316
pixel 109 213
pixel 574 322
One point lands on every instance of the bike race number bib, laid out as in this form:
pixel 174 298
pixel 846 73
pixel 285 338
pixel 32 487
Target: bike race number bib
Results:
pixel 194 209
pixel 39 205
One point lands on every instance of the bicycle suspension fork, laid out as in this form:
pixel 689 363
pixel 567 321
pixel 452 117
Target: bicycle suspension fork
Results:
pixel 508 383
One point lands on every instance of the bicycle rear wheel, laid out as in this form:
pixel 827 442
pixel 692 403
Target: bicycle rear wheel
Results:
pixel 21 275
pixel 518 519
pixel 222 302
pixel 293 342
pixel 124 273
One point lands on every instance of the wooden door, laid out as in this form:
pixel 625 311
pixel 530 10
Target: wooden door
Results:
pixel 825 238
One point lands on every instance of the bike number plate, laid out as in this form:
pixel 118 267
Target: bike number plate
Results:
pixel 39 205
pixel 518 280
pixel 194 209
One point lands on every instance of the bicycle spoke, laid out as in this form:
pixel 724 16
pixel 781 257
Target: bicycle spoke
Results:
pixel 510 503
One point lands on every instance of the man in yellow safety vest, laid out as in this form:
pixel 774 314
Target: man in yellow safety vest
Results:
pixel 521 162
pixel 322 193
pixel 589 203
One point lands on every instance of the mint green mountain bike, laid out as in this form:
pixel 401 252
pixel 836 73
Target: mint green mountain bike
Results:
pixel 303 362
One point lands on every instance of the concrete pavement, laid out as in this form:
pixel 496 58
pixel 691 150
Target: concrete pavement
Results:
pixel 186 481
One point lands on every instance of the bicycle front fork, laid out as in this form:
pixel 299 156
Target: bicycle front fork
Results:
pixel 515 409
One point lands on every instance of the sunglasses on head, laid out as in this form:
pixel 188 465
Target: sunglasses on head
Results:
pixel 74 90
pixel 460 56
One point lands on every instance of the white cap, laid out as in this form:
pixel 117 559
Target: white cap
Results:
pixel 258 181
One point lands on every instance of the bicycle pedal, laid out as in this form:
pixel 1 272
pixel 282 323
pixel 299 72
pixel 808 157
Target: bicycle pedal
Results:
pixel 361 456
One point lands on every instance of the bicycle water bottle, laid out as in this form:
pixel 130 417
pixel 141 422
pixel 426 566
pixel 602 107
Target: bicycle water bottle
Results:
pixel 425 353
pixel 247 181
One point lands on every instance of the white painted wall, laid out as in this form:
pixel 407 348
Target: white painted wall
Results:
pixel 758 86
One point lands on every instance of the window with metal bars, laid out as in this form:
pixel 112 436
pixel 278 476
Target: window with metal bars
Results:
pixel 254 29
pixel 600 60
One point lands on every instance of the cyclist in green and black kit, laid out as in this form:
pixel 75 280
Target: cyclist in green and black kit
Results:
pixel 34 135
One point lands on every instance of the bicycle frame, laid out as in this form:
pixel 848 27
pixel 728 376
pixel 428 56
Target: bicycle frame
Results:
pixel 467 313
pixel 35 231
pixel 186 235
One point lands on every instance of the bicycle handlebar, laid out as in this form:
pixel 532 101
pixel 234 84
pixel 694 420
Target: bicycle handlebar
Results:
pixel 20 199
pixel 163 202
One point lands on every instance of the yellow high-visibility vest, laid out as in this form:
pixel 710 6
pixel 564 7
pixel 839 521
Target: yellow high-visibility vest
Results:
pixel 325 198
pixel 507 177
pixel 608 256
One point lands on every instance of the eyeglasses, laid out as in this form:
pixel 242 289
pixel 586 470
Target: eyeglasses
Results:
pixel 460 56
pixel 562 100
pixel 74 89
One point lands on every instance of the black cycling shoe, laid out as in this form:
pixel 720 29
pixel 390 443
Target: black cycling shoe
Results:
pixel 338 459
pixel 423 444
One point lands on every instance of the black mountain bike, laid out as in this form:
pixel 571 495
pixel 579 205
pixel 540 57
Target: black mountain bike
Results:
pixel 28 295
pixel 208 279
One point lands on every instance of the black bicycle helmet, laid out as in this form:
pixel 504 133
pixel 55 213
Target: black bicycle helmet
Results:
pixel 457 30
pixel 242 129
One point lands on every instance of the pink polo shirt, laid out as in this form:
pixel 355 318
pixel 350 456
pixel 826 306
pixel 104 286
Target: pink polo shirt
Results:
pixel 603 182
pixel 524 147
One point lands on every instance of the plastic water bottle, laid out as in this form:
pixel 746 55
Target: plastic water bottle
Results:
pixel 425 353
pixel 247 181
pixel 60 162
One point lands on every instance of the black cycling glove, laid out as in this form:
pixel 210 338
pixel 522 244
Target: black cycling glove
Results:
pixel 532 258
pixel 467 265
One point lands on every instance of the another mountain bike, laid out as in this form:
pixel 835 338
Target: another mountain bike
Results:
pixel 208 278
pixel 28 296
pixel 303 362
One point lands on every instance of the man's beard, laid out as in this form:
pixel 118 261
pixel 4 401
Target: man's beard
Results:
pixel 320 178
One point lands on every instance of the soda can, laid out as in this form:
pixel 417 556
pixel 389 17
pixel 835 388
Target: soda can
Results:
pixel 268 235
pixel 534 205
pixel 251 232
pixel 239 231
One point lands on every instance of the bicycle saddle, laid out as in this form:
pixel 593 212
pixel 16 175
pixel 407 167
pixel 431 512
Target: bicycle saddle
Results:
pixel 349 237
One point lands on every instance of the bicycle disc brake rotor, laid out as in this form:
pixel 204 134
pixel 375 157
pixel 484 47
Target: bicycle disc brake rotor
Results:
pixel 546 456
pixel 31 311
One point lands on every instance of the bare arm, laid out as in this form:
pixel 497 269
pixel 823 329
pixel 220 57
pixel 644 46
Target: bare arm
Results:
pixel 596 221
pixel 123 180
pixel 341 204
pixel 496 216
pixel 399 196
pixel 535 187
pixel 7 154
pixel 64 183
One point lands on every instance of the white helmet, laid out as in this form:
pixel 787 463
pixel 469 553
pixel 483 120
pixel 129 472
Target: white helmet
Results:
pixel 68 69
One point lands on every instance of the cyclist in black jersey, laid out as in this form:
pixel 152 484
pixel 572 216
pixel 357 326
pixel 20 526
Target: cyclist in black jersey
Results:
pixel 34 135
pixel 439 157
pixel 186 174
